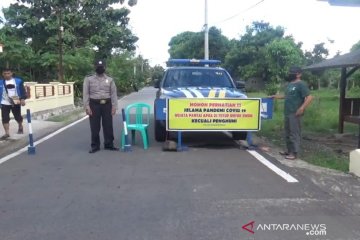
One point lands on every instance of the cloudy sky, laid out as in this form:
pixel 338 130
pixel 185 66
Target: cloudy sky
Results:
pixel 308 21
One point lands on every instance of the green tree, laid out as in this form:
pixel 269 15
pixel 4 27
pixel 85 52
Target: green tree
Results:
pixel 157 73
pixel 142 74
pixel 318 54
pixel 355 78
pixel 53 26
pixel 120 67
pixel 356 46
pixel 246 56
pixel 17 53
pixel 281 54
pixel 191 45
pixel 129 72
pixel 186 45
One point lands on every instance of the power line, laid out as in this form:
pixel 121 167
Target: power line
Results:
pixel 243 11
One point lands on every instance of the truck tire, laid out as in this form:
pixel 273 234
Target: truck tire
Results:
pixel 160 131
pixel 239 135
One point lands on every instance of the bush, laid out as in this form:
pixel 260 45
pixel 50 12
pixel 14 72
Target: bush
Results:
pixel 354 92
pixel 313 119
pixel 271 88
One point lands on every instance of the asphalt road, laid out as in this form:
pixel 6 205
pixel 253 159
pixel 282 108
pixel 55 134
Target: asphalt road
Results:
pixel 208 192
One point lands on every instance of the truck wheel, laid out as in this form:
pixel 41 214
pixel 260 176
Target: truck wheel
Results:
pixel 160 131
pixel 239 135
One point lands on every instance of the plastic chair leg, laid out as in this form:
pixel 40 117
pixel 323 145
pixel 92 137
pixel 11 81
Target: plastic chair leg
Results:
pixel 133 137
pixel 144 138
pixel 147 136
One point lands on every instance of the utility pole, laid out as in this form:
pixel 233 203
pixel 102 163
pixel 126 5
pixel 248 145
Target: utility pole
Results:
pixel 206 45
pixel 60 34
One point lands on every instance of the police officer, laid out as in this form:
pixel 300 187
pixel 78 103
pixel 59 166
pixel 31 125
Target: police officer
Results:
pixel 100 102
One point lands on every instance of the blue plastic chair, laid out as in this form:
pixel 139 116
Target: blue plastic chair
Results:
pixel 139 122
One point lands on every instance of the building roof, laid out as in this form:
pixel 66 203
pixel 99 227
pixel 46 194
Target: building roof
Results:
pixel 351 59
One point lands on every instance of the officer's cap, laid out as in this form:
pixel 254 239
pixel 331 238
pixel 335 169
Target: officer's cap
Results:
pixel 100 63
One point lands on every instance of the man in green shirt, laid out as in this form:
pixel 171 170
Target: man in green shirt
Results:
pixel 297 98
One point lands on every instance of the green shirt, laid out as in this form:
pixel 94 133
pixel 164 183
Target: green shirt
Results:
pixel 295 94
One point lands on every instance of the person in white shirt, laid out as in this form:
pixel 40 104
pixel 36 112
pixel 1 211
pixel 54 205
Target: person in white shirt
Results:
pixel 13 96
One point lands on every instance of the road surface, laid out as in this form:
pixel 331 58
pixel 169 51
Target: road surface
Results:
pixel 213 191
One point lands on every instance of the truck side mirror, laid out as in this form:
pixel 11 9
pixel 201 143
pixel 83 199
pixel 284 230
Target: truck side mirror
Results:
pixel 157 83
pixel 240 85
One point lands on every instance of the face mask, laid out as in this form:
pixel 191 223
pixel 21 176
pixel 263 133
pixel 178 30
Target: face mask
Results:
pixel 291 77
pixel 100 70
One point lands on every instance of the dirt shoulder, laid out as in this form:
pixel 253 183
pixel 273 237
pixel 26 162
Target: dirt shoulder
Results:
pixel 342 186
pixel 341 144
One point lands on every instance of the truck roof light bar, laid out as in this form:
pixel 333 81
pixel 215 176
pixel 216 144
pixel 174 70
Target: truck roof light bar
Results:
pixel 192 62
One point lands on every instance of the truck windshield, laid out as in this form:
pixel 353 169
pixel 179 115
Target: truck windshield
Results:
pixel 197 78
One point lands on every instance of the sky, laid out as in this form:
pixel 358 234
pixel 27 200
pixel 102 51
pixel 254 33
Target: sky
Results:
pixel 155 22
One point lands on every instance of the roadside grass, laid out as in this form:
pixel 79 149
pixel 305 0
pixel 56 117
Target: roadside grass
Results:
pixel 320 119
pixel 327 159
pixel 67 117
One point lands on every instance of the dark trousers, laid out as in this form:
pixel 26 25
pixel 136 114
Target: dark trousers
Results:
pixel 101 113
pixel 16 111
pixel 293 133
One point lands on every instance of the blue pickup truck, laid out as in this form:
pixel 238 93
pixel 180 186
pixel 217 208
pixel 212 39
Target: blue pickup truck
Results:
pixel 189 78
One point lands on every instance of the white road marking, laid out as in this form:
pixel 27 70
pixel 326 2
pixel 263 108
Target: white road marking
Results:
pixel 259 157
pixel 24 149
pixel 274 168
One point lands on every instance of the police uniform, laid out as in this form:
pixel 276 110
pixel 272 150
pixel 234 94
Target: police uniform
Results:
pixel 100 100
